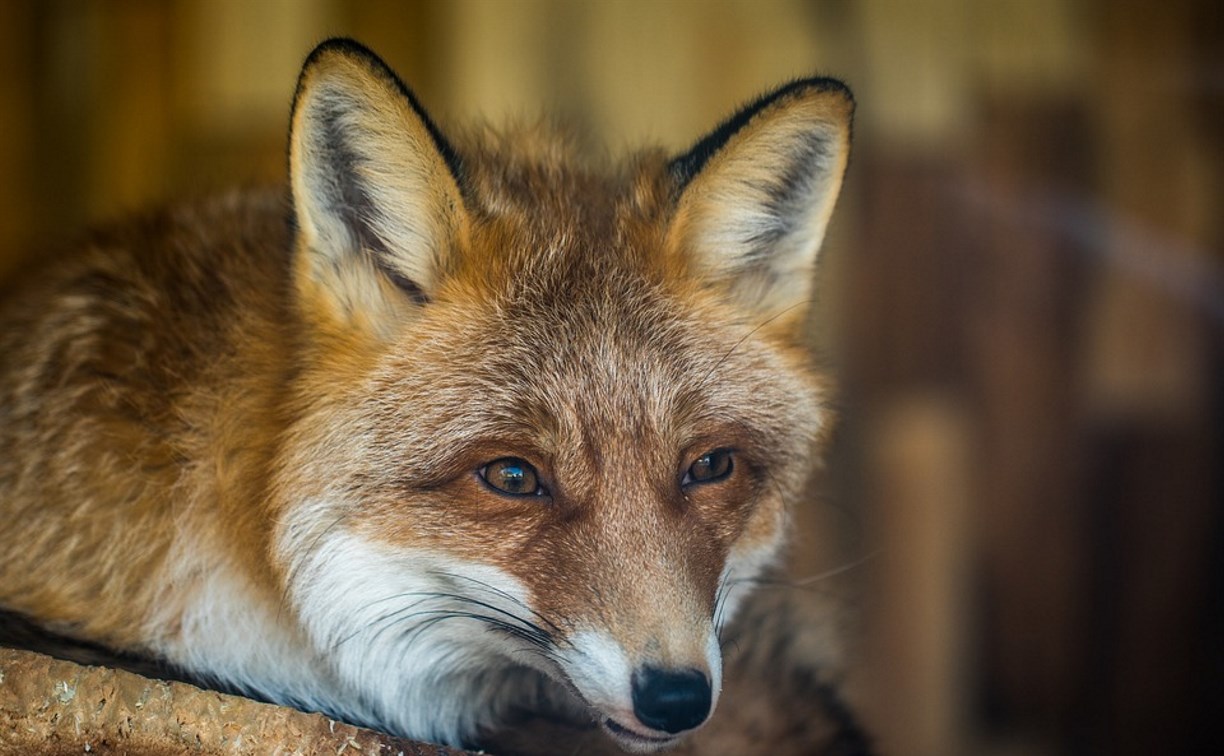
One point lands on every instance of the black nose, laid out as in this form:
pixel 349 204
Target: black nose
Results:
pixel 671 700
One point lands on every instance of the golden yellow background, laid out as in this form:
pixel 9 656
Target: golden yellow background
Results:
pixel 1023 291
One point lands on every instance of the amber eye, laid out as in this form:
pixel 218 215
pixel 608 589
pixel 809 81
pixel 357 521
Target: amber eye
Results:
pixel 512 476
pixel 709 467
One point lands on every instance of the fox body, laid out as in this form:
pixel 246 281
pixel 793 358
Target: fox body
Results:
pixel 464 425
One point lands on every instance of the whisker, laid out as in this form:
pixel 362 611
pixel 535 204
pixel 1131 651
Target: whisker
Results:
pixel 809 581
pixel 541 645
pixel 722 600
pixel 750 334
pixel 426 595
pixel 437 615
pixel 509 622
pixel 835 571
pixel 293 572
pixel 504 594
pixel 720 597
pixel 724 590
pixel 380 624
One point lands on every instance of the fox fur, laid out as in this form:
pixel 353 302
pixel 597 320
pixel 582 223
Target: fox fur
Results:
pixel 251 438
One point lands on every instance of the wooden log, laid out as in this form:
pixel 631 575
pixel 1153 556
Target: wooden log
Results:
pixel 49 706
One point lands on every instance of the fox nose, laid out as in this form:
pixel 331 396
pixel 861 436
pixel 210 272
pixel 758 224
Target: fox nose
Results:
pixel 671 700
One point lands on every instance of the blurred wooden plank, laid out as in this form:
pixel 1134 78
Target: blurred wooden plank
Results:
pixel 1030 47
pixel 1153 377
pixel 903 353
pixel 918 71
pixel 920 473
pixel 232 68
pixel 906 276
pixel 1152 655
pixel 632 72
pixel 1032 157
pixel 17 124
pixel 1161 183
pixel 238 60
pixel 407 35
pixel 128 127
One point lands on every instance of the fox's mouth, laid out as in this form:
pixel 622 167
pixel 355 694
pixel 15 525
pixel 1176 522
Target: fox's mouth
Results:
pixel 642 707
pixel 635 741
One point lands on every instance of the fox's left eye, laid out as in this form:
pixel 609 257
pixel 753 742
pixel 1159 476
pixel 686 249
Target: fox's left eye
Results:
pixel 709 467
pixel 512 476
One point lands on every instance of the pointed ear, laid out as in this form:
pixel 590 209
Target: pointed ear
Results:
pixel 755 195
pixel 375 189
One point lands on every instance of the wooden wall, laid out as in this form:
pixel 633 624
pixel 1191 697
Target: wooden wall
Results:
pixel 1024 291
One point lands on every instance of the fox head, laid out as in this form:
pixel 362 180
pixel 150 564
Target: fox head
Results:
pixel 548 418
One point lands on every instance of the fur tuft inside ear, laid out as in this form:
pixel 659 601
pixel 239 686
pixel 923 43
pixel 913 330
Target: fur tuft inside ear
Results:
pixel 375 188
pixel 755 195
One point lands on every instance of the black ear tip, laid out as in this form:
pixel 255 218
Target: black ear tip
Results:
pixel 822 85
pixel 686 166
pixel 341 47
pixel 826 84
pixel 350 49
pixel 344 46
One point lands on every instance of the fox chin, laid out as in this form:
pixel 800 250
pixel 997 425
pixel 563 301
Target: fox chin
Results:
pixel 458 426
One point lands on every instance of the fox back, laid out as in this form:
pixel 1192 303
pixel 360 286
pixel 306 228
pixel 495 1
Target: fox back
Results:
pixel 465 424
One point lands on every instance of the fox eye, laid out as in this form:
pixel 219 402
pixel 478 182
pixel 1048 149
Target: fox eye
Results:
pixel 512 476
pixel 709 467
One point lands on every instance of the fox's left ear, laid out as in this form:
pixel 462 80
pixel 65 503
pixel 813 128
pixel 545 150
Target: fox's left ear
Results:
pixel 755 194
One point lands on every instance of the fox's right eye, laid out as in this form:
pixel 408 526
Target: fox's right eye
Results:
pixel 512 476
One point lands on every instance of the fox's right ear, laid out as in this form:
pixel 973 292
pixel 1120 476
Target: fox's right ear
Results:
pixel 375 190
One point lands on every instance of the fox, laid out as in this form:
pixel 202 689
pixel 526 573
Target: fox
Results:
pixel 455 425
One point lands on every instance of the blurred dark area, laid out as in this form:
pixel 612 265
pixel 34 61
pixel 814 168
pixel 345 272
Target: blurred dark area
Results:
pixel 1022 292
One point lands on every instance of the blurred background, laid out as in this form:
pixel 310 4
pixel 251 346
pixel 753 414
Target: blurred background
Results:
pixel 1023 291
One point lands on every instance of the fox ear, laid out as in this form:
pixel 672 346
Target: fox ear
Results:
pixel 375 192
pixel 755 194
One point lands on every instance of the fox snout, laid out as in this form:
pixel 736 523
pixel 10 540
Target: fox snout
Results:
pixel 646 689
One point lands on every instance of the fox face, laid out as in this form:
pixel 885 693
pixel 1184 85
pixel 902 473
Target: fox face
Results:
pixel 547 418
